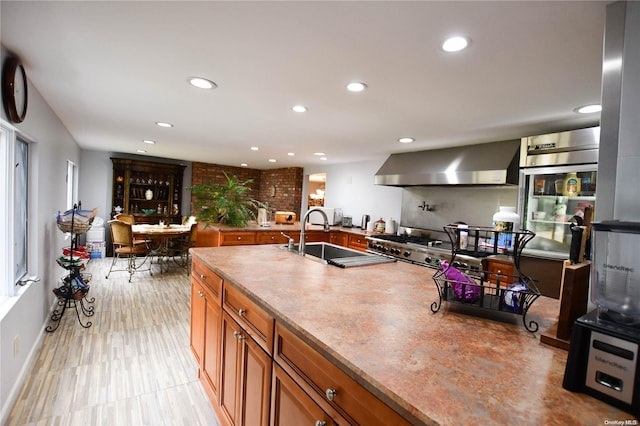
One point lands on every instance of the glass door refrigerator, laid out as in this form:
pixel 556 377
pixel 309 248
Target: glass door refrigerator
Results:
pixel 558 180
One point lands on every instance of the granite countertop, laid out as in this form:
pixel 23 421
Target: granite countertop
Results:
pixel 449 367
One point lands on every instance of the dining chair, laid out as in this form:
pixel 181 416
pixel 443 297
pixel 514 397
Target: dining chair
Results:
pixel 180 247
pixel 124 249
pixel 130 219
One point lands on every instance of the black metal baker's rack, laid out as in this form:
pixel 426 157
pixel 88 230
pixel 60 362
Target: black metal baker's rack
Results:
pixel 512 293
pixel 74 289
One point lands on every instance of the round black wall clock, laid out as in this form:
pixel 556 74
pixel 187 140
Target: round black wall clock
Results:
pixel 14 89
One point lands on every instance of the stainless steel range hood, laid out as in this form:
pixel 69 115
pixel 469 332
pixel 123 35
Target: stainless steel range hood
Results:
pixel 485 164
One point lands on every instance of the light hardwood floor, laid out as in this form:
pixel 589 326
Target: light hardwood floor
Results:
pixel 133 366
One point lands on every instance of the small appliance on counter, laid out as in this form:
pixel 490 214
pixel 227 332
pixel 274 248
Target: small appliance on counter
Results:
pixel 285 217
pixel 333 214
pixel 603 355
pixel 364 221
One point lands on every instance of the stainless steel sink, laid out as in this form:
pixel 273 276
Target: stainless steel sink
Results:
pixel 341 256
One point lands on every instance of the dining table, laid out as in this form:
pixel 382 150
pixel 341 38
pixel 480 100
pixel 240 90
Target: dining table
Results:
pixel 159 239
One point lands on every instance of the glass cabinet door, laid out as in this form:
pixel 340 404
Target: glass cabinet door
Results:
pixel 552 197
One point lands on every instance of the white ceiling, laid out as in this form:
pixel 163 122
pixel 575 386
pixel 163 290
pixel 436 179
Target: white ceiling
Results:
pixel 111 69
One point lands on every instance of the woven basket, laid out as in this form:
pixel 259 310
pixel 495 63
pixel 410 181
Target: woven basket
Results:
pixel 77 221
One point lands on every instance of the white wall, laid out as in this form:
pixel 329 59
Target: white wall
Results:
pixel 27 314
pixel 350 187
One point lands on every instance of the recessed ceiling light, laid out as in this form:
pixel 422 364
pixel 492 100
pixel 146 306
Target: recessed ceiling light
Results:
pixel 254 148
pixel 455 44
pixel 406 140
pixel 243 165
pixel 356 86
pixel 272 160
pixel 201 83
pixel 149 141
pixel 323 158
pixel 299 108
pixel 588 109
pixel 163 124
pixel 319 153
pixel 291 154
pixel 141 151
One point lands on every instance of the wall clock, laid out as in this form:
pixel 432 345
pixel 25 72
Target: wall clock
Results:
pixel 14 89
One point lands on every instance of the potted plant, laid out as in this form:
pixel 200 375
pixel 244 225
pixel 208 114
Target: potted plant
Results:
pixel 228 204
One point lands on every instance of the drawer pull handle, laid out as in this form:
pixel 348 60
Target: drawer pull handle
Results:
pixel 201 294
pixel 321 423
pixel 331 393
pixel 241 312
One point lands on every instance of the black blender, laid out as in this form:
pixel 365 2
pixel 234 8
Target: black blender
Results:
pixel 603 355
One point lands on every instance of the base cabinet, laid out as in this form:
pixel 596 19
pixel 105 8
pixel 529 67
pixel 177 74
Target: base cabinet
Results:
pixel 291 406
pixel 206 314
pixel 245 377
pixel 258 372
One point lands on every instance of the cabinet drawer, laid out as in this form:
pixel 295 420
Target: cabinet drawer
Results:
pixel 357 242
pixel 252 318
pixel 204 275
pixel 328 385
pixel 271 238
pixel 237 238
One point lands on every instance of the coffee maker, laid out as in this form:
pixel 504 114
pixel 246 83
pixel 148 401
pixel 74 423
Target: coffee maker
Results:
pixel 604 349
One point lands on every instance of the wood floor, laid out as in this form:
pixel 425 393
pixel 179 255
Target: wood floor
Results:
pixel 133 366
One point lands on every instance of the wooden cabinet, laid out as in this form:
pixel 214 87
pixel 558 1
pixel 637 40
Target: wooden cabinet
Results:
pixel 291 406
pixel 339 238
pixel 271 237
pixel 245 377
pixel 315 236
pixel 206 316
pixel 330 387
pixel 144 185
pixel 237 238
pixel 497 267
pixel 254 320
pixel 357 242
pixel 236 341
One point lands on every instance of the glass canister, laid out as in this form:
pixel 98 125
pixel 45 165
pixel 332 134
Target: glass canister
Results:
pixel 615 274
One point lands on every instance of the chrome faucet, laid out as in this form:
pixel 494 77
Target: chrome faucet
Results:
pixel 303 223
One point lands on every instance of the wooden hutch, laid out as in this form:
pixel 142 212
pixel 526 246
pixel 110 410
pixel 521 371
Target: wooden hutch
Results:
pixel 148 190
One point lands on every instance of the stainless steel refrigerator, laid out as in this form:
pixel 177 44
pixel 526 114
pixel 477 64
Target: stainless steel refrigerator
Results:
pixel 558 180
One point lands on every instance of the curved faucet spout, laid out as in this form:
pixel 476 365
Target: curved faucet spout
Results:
pixel 303 223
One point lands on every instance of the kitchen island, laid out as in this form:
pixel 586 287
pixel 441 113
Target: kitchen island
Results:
pixel 374 323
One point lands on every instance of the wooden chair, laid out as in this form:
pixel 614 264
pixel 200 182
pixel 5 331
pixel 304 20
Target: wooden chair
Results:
pixel 180 247
pixel 124 248
pixel 130 219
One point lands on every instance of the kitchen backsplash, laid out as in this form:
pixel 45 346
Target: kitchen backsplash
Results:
pixel 436 206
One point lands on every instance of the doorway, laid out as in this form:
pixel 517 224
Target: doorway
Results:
pixel 316 189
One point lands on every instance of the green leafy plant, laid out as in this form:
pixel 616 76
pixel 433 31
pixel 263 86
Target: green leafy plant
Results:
pixel 229 204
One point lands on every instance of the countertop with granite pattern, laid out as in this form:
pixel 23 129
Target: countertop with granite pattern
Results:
pixel 375 322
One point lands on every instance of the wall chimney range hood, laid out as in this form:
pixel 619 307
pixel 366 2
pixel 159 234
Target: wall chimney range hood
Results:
pixel 493 163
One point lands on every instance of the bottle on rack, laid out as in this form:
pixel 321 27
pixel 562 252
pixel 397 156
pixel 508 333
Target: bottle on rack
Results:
pixel 506 220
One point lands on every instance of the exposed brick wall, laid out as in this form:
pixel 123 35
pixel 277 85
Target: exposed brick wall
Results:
pixel 288 183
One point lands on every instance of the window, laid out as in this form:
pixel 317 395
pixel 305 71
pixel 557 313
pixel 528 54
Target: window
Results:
pixel 72 184
pixel 14 172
